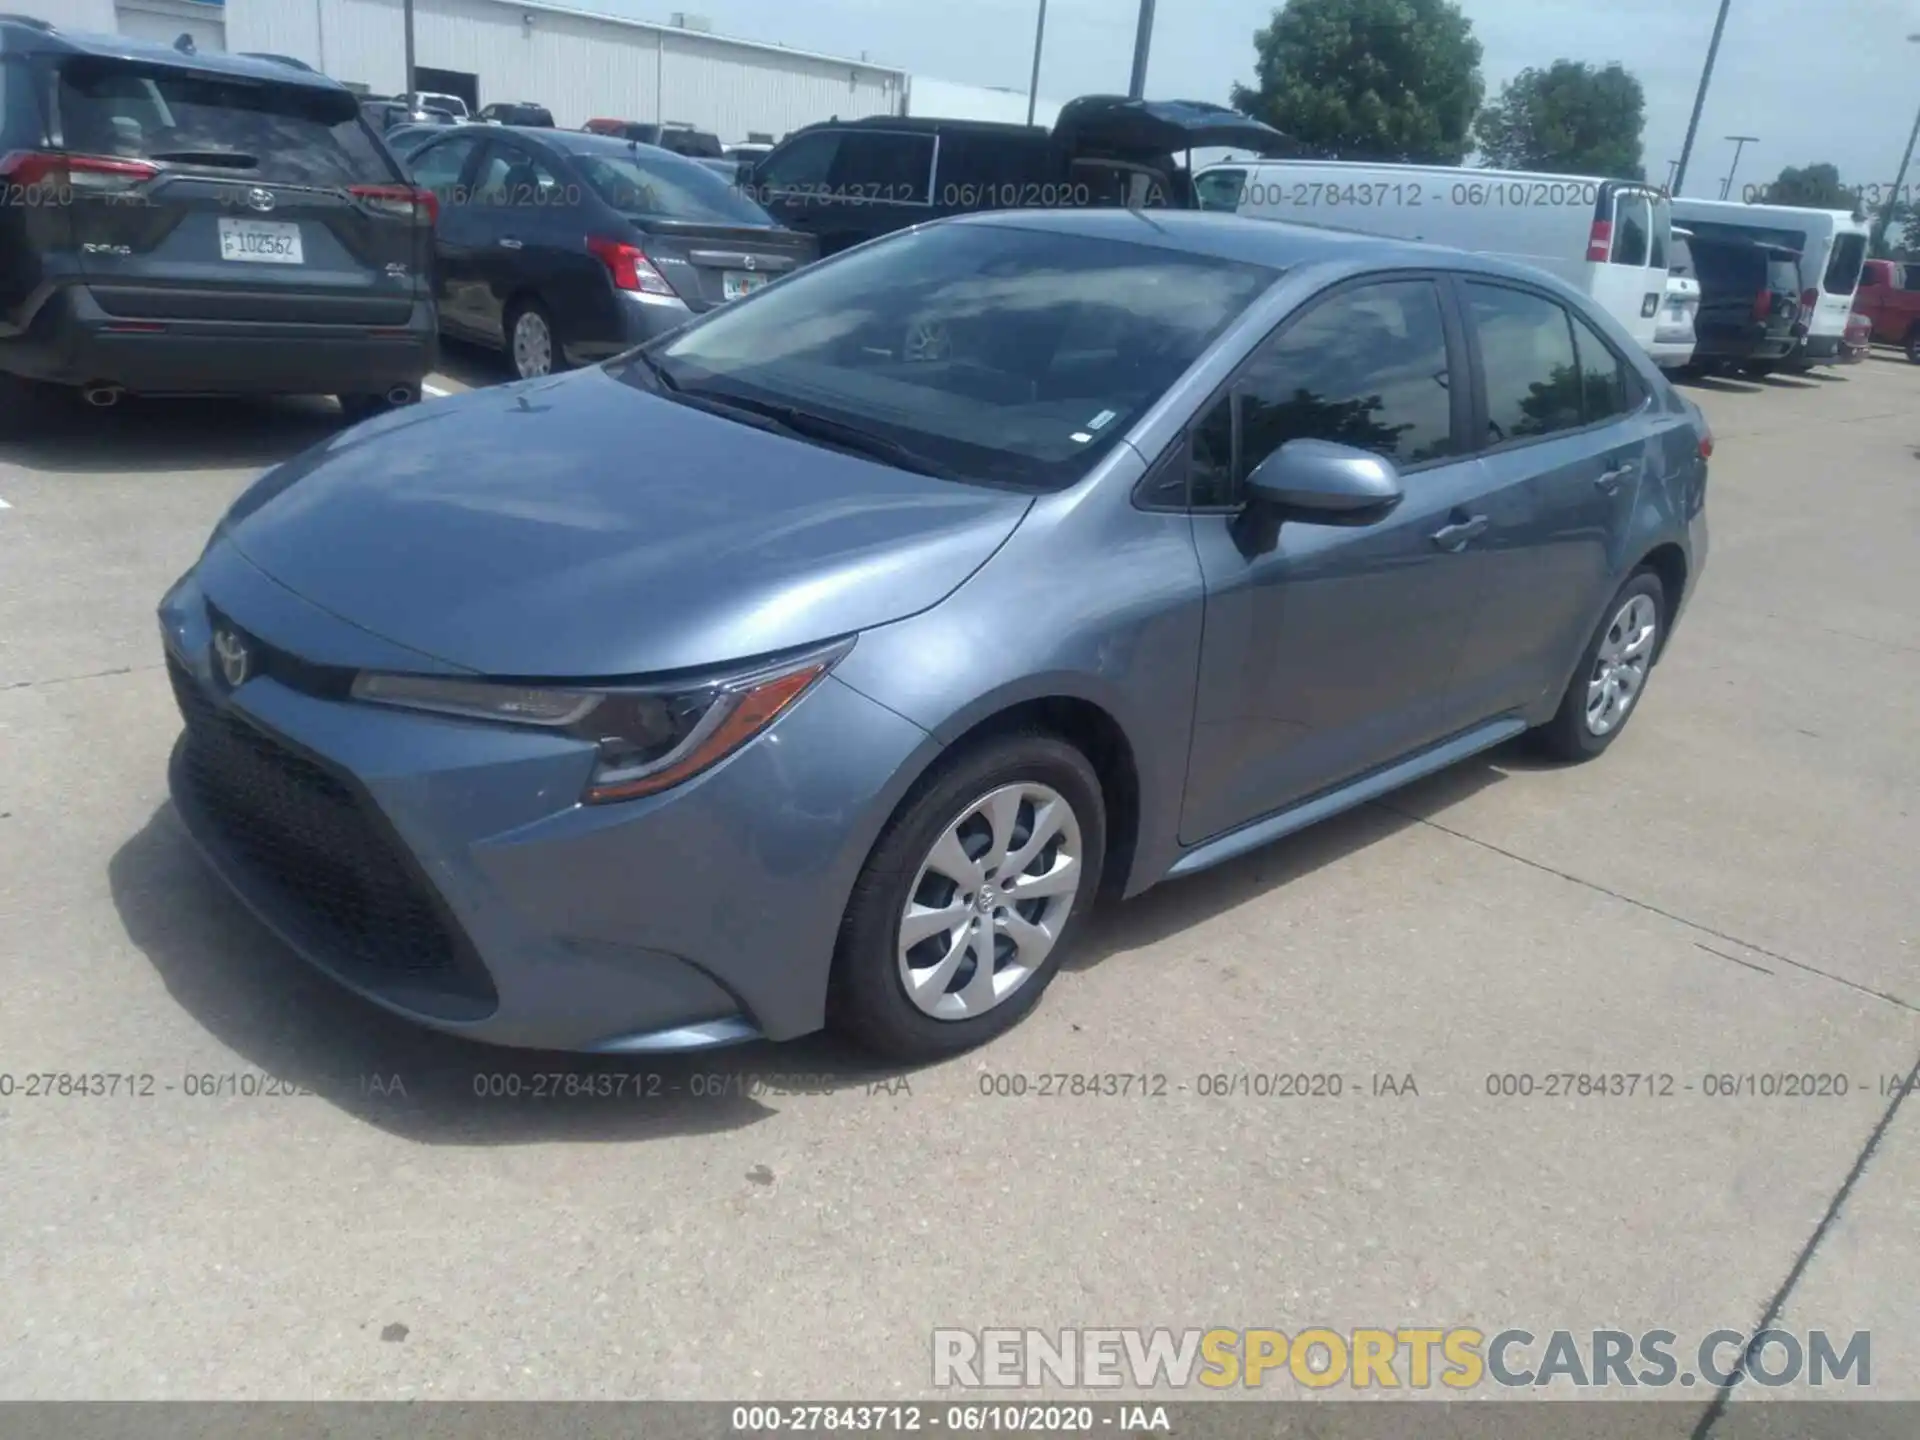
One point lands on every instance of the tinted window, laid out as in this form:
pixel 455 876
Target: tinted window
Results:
pixel 1604 388
pixel 1220 189
pixel 438 166
pixel 883 165
pixel 1018 356
pixel 1526 350
pixel 669 187
pixel 697 143
pixel 1662 233
pixel 510 177
pixel 290 133
pixel 974 165
pixel 801 164
pixel 1632 229
pixel 1367 367
pixel 1907 277
pixel 1843 270
pixel 1680 258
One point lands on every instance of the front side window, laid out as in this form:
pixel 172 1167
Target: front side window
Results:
pixel 883 166
pixel 995 353
pixel 1532 373
pixel 438 166
pixel 1220 189
pixel 803 163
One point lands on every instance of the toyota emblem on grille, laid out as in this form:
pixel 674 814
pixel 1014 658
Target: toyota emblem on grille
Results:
pixel 236 661
pixel 258 199
pixel 750 262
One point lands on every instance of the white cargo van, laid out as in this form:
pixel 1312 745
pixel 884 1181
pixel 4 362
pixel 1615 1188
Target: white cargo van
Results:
pixel 1607 238
pixel 1832 245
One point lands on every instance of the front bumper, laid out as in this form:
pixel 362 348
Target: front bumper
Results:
pixel 72 341
pixel 452 878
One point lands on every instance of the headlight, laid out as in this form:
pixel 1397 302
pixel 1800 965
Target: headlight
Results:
pixel 650 738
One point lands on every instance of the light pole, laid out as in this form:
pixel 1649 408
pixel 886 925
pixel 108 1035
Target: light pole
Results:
pixel 1740 142
pixel 1142 41
pixel 1033 87
pixel 1700 97
pixel 406 19
pixel 1886 214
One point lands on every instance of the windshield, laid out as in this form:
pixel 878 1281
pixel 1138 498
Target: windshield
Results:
pixel 1001 354
pixel 666 187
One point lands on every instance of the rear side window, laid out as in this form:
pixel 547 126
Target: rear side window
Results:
pixel 884 166
pixel 288 133
pixel 1220 189
pixel 696 143
pixel 1783 275
pixel 1632 230
pixel 1367 368
pixel 992 171
pixel 1532 372
pixel 1605 391
pixel 1843 269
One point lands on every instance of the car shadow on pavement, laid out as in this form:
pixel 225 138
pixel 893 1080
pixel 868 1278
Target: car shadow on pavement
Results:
pixel 474 366
pixel 160 435
pixel 1721 384
pixel 301 1031
pixel 1177 905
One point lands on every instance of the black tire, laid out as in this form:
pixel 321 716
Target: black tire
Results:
pixel 531 305
pixel 1759 369
pixel 1568 736
pixel 1913 344
pixel 867 1001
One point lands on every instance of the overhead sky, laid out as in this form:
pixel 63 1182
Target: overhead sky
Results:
pixel 1816 80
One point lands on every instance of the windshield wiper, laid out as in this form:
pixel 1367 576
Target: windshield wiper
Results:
pixel 838 433
pixel 225 159
pixel 662 376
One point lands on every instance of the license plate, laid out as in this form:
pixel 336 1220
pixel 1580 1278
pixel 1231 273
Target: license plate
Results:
pixel 735 283
pixel 269 242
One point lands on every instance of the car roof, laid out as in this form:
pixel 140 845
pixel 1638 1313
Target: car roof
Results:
pixel 1276 243
pixel 19 36
pixel 928 125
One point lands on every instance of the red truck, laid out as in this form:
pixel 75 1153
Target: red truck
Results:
pixel 1889 296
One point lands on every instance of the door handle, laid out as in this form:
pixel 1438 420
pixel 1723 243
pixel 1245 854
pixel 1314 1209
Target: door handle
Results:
pixel 1612 479
pixel 509 244
pixel 1455 536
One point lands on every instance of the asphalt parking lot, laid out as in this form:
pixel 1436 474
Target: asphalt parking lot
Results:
pixel 1731 891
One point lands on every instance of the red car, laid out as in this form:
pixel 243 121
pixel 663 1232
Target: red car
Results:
pixel 1887 298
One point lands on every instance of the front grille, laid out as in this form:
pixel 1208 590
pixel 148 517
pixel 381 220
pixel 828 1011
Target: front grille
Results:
pixel 338 873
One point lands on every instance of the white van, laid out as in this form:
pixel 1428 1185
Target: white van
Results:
pixel 1832 245
pixel 1607 238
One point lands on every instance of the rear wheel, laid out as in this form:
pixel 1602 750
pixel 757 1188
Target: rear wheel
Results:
pixel 958 922
pixel 1913 344
pixel 532 345
pixel 1612 674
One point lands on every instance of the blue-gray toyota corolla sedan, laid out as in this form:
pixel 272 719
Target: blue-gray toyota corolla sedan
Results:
pixel 821 663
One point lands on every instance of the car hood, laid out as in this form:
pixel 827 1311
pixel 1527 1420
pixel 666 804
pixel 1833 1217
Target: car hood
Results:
pixel 581 528
pixel 1152 128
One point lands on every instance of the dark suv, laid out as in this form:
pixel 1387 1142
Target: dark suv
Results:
pixel 210 224
pixel 847 181
pixel 1749 315
pixel 680 139
pixel 516 112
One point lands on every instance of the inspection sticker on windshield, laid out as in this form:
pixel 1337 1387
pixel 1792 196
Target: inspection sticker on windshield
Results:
pixel 1104 418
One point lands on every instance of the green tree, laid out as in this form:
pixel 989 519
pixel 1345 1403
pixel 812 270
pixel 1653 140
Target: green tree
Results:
pixel 1369 79
pixel 1817 187
pixel 1569 119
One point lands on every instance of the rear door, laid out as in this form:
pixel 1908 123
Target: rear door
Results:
pixel 1838 283
pixel 1625 281
pixel 1565 443
pixel 237 199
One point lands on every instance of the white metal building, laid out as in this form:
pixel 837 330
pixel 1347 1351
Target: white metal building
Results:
pixel 577 63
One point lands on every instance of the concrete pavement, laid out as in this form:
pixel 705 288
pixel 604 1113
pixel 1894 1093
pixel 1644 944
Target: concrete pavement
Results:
pixel 1728 893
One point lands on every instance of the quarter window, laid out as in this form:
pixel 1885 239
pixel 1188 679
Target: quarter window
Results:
pixel 1532 372
pixel 1605 392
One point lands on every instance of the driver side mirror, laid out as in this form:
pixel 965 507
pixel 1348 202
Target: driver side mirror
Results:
pixel 1323 483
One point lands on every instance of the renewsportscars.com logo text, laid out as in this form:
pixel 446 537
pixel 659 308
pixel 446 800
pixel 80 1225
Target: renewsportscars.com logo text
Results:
pixel 1381 1358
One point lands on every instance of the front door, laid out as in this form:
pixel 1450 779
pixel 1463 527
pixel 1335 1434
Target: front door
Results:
pixel 1329 650
pixel 445 168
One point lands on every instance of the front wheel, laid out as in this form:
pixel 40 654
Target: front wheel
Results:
pixel 958 922
pixel 1612 673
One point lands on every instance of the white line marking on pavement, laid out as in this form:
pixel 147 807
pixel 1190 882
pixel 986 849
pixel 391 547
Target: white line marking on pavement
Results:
pixel 435 391
pixel 4 505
